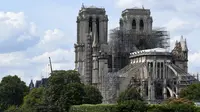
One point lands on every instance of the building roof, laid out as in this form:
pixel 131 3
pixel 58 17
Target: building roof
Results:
pixel 42 82
pixel 136 11
pixel 155 50
pixel 92 6
pixel 151 50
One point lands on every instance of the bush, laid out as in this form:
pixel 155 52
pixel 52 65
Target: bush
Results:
pixel 92 95
pixel 93 108
pixel 172 108
pixel 178 101
pixel 132 106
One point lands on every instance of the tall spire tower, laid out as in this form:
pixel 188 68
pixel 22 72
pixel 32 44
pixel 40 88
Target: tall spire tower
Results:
pixel 92 28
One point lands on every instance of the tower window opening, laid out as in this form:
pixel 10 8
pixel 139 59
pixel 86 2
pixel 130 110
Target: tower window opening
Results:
pixel 150 65
pixel 121 23
pixel 97 25
pixel 162 69
pixel 90 24
pixel 141 24
pixel 133 24
pixel 158 70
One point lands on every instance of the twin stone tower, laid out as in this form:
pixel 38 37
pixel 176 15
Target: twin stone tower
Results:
pixel 91 48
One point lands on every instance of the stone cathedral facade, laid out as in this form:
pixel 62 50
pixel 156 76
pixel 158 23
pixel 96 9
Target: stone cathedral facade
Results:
pixel 156 72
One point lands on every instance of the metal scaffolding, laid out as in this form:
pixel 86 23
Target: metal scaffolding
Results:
pixel 123 42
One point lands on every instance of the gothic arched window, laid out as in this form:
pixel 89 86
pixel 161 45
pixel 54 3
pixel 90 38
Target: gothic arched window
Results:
pixel 97 27
pixel 141 24
pixel 90 24
pixel 134 24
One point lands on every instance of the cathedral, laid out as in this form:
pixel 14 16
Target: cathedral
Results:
pixel 134 55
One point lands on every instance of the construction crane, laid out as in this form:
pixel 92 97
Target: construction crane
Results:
pixel 50 65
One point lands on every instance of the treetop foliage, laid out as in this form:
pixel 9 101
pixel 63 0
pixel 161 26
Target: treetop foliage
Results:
pixel 192 92
pixel 60 77
pixel 92 95
pixel 12 91
pixel 65 89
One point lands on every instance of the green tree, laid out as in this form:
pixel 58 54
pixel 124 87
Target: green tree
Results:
pixel 56 85
pixel 13 109
pixel 12 91
pixel 129 94
pixel 60 77
pixel 72 94
pixel 192 92
pixel 92 95
pixel 34 99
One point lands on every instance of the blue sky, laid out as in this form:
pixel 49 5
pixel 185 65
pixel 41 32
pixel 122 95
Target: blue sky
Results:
pixel 33 30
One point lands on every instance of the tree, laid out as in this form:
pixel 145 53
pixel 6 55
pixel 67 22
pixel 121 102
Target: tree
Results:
pixel 129 94
pixel 12 91
pixel 34 99
pixel 192 92
pixel 60 77
pixel 72 94
pixel 57 83
pixel 92 95
pixel 13 109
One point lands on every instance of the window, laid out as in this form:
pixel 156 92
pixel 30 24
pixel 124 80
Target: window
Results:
pixel 162 70
pixel 134 24
pixel 158 70
pixel 97 25
pixel 90 24
pixel 141 24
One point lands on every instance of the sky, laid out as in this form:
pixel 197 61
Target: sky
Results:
pixel 33 30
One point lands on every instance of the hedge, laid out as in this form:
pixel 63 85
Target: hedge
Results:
pixel 123 108
pixel 93 108
pixel 173 108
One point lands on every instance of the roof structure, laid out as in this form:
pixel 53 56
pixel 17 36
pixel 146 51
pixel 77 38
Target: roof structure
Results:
pixel 155 50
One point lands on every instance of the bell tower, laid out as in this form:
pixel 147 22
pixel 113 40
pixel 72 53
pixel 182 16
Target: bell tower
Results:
pixel 92 29
pixel 136 19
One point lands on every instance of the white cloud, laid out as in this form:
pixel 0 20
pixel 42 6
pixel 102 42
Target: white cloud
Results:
pixel 52 36
pixel 61 60
pixel 33 64
pixel 57 56
pixel 35 67
pixel 194 60
pixel 13 25
pixel 54 39
pixel 13 59
pixel 129 3
pixel 175 24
